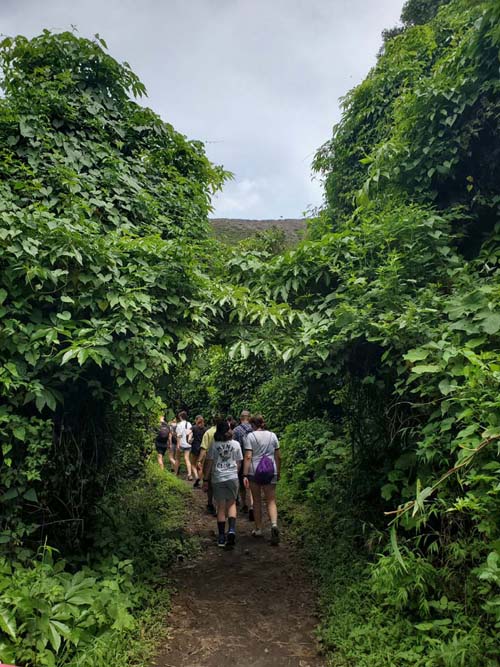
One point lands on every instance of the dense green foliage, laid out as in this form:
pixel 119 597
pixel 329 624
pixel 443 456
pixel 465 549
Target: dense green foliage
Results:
pixel 101 203
pixel 372 347
pixel 387 321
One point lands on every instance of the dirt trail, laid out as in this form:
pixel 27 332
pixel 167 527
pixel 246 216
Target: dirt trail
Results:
pixel 249 607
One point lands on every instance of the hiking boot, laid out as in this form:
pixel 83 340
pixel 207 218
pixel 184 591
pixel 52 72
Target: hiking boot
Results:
pixel 256 532
pixel 221 541
pixel 275 535
pixel 231 538
pixel 251 515
pixel 196 485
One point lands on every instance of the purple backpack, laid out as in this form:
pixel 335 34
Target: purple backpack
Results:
pixel 265 470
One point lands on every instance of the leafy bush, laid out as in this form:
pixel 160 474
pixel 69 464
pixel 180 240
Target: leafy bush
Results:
pixel 50 616
pixel 142 520
pixel 393 314
pixel 282 399
pixel 98 296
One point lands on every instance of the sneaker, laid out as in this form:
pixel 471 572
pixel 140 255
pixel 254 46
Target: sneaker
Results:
pixel 231 539
pixel 251 515
pixel 221 541
pixel 256 532
pixel 211 509
pixel 275 535
pixel 196 485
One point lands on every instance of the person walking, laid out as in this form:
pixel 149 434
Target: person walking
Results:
pixel 174 451
pixel 162 441
pixel 206 443
pixel 261 473
pixel 184 436
pixel 239 434
pixel 198 433
pixel 223 462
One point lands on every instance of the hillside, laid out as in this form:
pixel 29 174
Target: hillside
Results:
pixel 232 230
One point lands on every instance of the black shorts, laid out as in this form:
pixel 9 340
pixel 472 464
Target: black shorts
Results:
pixel 161 447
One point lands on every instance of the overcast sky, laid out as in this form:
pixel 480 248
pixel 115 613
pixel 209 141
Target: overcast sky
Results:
pixel 258 80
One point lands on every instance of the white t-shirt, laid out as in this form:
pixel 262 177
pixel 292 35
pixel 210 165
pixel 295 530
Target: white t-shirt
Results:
pixel 225 457
pixel 261 443
pixel 181 431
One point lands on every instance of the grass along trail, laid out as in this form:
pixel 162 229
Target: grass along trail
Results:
pixel 251 606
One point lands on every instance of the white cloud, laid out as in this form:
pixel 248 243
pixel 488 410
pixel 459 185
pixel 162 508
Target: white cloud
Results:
pixel 259 78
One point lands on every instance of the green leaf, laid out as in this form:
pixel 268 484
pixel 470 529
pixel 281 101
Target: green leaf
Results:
pixel 445 387
pixel 131 373
pixel 20 432
pixel 425 368
pixel 54 636
pixel 8 622
pixel 395 548
pixel 417 354
pixel 491 323
pixel 30 495
pixel 10 494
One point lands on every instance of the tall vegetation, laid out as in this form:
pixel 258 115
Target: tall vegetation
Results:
pixel 387 330
pixel 100 205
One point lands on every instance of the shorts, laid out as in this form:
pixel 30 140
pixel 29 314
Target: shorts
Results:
pixel 186 448
pixel 161 447
pixel 227 490
pixel 193 457
pixel 274 480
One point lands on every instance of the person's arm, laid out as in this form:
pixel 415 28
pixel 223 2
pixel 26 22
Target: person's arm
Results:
pixel 277 458
pixel 207 469
pixel 201 459
pixel 203 453
pixel 246 467
pixel 239 457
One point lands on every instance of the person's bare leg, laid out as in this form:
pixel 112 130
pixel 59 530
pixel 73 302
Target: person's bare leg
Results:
pixel 187 462
pixel 231 509
pixel 194 466
pixel 257 505
pixel 221 511
pixel 160 461
pixel 272 509
pixel 249 498
pixel 171 458
pixel 177 460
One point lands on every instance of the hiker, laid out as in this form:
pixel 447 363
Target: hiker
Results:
pixel 223 462
pixel 198 433
pixel 239 434
pixel 261 472
pixel 174 451
pixel 162 441
pixel 231 422
pixel 206 443
pixel 184 432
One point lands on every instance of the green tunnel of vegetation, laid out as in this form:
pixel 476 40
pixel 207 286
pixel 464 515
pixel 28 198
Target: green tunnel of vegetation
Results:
pixel 372 347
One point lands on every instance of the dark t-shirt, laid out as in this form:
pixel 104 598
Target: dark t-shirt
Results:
pixel 240 433
pixel 162 434
pixel 198 432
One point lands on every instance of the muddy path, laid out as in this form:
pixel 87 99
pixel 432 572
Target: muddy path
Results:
pixel 251 606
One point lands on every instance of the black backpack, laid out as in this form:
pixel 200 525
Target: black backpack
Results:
pixel 163 433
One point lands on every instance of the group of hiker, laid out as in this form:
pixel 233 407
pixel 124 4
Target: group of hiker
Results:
pixel 235 463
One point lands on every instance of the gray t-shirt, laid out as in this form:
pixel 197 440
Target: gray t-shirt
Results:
pixel 225 457
pixel 261 443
